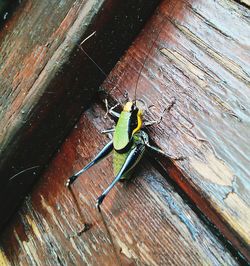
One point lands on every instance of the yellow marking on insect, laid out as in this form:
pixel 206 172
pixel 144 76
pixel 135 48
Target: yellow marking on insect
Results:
pixel 139 121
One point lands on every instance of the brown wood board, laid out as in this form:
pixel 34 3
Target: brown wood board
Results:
pixel 199 66
pixel 46 80
pixel 143 222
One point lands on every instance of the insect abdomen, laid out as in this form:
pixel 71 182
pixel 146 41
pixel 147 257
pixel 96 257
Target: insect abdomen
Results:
pixel 118 161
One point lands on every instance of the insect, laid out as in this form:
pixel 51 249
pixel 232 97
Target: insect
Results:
pixel 128 145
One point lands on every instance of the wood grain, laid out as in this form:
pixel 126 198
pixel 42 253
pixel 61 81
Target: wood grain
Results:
pixel 200 66
pixel 143 222
pixel 47 81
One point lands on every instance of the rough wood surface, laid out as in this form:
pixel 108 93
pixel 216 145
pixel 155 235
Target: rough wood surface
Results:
pixel 200 65
pixel 143 222
pixel 46 81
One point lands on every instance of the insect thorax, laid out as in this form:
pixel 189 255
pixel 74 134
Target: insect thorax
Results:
pixel 129 122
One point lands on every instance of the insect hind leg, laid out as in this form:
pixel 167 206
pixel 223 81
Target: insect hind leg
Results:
pixel 132 159
pixel 102 154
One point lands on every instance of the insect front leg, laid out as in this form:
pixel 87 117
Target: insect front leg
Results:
pixel 132 159
pixel 102 154
pixel 111 110
pixel 109 130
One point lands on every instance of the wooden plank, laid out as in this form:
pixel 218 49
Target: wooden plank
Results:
pixel 143 222
pixel 200 64
pixel 46 81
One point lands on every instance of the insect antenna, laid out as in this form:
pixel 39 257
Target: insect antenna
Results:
pixel 89 57
pixel 23 171
pixel 94 62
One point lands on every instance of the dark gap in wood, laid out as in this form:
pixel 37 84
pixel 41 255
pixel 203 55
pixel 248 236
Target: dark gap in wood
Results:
pixel 7 8
pixel 212 227
pixel 242 3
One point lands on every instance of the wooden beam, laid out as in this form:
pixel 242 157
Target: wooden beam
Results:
pixel 199 66
pixel 46 80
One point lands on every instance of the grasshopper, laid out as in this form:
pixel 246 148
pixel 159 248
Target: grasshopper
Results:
pixel 129 143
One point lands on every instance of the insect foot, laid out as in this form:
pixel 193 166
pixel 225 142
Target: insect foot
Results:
pixel 70 180
pixel 111 110
pixel 99 201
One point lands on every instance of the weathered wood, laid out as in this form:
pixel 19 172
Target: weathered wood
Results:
pixel 200 65
pixel 46 81
pixel 144 222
